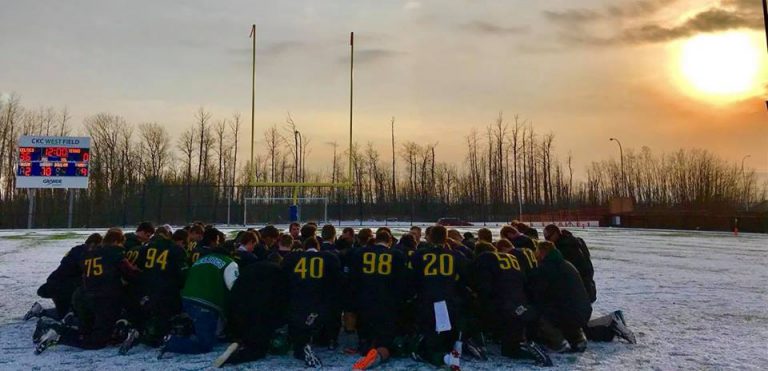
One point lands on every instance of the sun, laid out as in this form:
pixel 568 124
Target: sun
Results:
pixel 724 65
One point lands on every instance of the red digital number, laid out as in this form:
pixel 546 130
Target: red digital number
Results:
pixel 46 170
pixel 25 157
pixel 56 152
pixel 83 171
pixel 86 155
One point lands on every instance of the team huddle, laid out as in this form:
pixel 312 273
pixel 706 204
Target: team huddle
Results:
pixel 436 298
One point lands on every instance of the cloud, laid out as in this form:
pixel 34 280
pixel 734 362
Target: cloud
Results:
pixel 573 15
pixel 728 15
pixel 711 20
pixel 412 5
pixel 483 27
pixel 373 55
pixel 272 49
pixel 632 9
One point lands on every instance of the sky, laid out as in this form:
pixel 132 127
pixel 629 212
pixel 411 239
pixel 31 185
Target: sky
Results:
pixel 585 70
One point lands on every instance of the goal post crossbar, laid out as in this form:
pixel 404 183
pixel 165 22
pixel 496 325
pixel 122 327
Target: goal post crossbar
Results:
pixel 292 199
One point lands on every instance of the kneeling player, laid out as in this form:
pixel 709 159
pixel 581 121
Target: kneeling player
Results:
pixel 163 262
pixel 562 301
pixel 104 268
pixel 258 308
pixel 63 282
pixel 314 286
pixel 377 282
pixel 499 282
pixel 440 281
pixel 205 297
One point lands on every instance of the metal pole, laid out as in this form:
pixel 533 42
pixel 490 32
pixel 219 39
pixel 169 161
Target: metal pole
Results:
pixel 31 195
pixel 229 205
pixel 253 89
pixel 71 206
pixel 623 177
pixel 351 85
pixel 245 210
pixel 765 21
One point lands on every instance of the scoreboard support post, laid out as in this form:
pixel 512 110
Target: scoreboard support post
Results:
pixel 31 211
pixel 71 193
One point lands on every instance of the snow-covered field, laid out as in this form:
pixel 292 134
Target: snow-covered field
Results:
pixel 696 300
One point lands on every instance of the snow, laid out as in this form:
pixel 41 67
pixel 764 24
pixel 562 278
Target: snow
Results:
pixel 696 300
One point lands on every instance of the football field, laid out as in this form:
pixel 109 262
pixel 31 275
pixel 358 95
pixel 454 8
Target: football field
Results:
pixel 695 300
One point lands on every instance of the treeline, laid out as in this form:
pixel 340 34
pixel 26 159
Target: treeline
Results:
pixel 139 171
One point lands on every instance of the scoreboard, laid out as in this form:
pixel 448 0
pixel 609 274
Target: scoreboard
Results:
pixel 53 162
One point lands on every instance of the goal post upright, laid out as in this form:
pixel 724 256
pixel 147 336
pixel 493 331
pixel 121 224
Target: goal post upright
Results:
pixel 298 185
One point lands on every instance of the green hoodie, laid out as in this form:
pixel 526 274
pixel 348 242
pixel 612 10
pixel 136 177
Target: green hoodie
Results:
pixel 209 281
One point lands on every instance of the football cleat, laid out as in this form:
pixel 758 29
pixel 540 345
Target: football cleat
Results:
pixel 49 339
pixel 129 342
pixel 453 360
pixel 43 325
pixel 310 359
pixel 621 330
pixel 579 347
pixel 35 311
pixel 534 351
pixel 619 315
pixel 371 360
pixel 475 350
pixel 163 348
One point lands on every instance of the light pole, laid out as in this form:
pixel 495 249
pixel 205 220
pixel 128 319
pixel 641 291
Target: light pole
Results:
pixel 621 155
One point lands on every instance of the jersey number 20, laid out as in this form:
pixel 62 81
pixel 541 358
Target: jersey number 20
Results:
pixel 442 264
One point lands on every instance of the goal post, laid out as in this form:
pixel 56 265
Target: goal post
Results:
pixel 291 201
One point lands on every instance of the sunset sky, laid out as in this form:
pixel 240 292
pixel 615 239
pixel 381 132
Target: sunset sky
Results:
pixel 666 74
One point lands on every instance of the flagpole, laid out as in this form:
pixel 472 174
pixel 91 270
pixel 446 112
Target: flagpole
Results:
pixel 253 93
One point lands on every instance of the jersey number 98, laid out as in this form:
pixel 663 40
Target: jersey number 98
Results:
pixel 382 265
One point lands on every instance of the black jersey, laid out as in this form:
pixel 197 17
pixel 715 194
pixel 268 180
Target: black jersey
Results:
pixel 439 273
pixel 500 278
pixel 377 278
pixel 163 265
pixel 104 269
pixel 314 280
pixel 132 246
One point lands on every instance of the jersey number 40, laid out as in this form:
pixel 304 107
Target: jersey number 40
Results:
pixel 314 268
